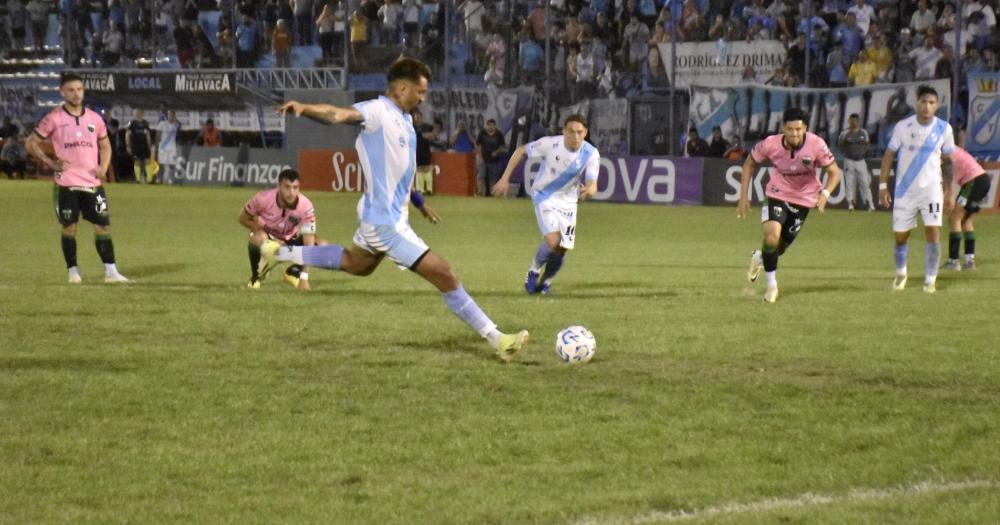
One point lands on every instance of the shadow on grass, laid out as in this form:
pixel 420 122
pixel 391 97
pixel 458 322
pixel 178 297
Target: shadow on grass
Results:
pixel 22 363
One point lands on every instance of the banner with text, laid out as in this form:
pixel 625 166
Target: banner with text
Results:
pixel 722 63
pixel 984 113
pixel 754 111
pixel 473 107
pixel 232 166
pixel 157 82
pixel 609 126
pixel 640 180
pixel 340 170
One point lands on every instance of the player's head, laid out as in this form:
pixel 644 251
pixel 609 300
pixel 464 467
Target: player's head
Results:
pixel 927 102
pixel 408 79
pixel 574 130
pixel 288 186
pixel 795 122
pixel 854 121
pixel 71 89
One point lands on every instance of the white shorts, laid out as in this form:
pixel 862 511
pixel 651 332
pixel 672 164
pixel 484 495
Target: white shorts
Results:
pixel 553 219
pixel 166 157
pixel 905 210
pixel 398 242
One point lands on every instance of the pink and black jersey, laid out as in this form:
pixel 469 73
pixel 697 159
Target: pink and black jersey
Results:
pixel 793 178
pixel 964 166
pixel 75 140
pixel 282 223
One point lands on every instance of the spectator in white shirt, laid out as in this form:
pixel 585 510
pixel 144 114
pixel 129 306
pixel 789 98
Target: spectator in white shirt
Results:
pixel 922 18
pixel 863 14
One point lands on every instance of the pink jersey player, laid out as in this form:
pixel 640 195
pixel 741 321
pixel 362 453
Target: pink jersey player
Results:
pixel 75 140
pixel 284 224
pixel 964 166
pixel 793 178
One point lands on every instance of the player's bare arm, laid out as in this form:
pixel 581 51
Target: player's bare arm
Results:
pixel 430 214
pixel 588 190
pixel 883 179
pixel 743 206
pixel 503 185
pixel 322 113
pixel 102 170
pixel 947 180
pixel 832 180
pixel 250 222
pixel 34 147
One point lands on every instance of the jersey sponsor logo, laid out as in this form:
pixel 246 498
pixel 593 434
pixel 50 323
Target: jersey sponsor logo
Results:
pixel 78 144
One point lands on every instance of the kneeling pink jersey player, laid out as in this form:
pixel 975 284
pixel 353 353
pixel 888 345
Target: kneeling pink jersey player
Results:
pixel 792 190
pixel 282 214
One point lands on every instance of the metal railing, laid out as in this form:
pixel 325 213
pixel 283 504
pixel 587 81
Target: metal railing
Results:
pixel 291 78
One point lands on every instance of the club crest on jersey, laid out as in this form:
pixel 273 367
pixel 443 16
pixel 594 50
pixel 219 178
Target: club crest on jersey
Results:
pixel 91 128
pixel 807 161
pixel 294 220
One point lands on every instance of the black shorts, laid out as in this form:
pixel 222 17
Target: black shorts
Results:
pixel 70 202
pixel 790 216
pixel 972 193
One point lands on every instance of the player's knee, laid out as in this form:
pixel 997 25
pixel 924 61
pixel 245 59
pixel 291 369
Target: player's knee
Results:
pixel 69 230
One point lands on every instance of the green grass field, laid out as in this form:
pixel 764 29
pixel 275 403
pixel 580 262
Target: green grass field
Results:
pixel 186 398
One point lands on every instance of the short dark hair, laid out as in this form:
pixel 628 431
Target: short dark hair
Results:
pixel 692 130
pixel 289 174
pixel 408 69
pixel 209 121
pixel 575 117
pixel 792 114
pixel 493 120
pixel 854 115
pixel 114 122
pixel 924 89
pixel 68 77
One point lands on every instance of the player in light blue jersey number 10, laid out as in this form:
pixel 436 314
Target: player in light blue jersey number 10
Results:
pixel 387 151
pixel 921 142
pixel 568 172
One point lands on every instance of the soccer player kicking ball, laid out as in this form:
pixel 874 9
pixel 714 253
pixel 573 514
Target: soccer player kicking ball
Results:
pixel 922 142
pixel 568 173
pixel 792 191
pixel 81 143
pixel 387 152
pixel 286 216
pixel 974 185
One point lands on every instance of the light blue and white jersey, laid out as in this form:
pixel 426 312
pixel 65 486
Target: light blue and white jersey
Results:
pixel 168 134
pixel 561 170
pixel 918 151
pixel 387 150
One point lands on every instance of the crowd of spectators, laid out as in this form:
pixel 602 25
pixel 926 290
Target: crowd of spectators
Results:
pixel 595 47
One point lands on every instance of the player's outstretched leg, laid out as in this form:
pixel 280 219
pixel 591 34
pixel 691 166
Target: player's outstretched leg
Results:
pixel 535 271
pixel 552 266
pixel 756 263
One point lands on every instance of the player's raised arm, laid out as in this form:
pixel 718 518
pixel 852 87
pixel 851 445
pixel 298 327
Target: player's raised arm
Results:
pixel 749 166
pixel 883 178
pixel 322 113
pixel 503 185
pixel 832 180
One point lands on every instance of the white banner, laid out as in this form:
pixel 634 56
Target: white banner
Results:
pixel 722 63
pixel 474 106
pixel 246 120
pixel 609 126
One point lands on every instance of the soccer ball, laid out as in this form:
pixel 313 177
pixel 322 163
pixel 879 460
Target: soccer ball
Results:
pixel 575 345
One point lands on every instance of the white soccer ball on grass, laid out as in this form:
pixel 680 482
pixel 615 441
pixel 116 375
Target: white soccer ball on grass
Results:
pixel 575 345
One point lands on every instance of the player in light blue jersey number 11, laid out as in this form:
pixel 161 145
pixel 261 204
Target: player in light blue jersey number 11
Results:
pixel 386 148
pixel 919 144
pixel 568 173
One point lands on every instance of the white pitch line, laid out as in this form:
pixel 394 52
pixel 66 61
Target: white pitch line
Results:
pixel 803 500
